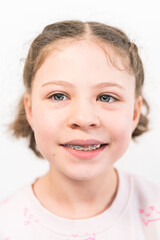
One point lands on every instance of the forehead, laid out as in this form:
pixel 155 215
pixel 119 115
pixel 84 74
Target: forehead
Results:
pixel 83 61
pixel 89 48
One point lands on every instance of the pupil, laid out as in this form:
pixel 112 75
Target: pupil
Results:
pixel 59 96
pixel 106 98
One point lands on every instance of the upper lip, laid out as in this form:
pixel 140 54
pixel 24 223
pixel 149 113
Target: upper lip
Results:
pixel 83 142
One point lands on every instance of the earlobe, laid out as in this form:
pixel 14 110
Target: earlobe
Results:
pixel 28 108
pixel 137 112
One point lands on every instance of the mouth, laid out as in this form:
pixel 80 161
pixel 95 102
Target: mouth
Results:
pixel 91 147
pixel 88 152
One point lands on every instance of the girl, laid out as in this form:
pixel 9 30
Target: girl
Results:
pixel 81 107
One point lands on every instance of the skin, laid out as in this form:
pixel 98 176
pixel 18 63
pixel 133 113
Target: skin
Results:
pixel 76 188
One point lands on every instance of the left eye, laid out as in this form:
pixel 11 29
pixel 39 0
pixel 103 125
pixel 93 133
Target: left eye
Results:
pixel 107 98
pixel 57 96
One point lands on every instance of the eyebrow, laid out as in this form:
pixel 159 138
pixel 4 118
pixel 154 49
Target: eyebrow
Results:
pixel 69 85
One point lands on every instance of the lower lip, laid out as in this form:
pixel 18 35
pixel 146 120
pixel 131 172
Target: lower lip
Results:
pixel 85 154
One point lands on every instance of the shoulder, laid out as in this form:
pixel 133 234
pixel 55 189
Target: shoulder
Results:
pixel 145 200
pixel 140 186
pixel 145 188
pixel 13 201
pixel 12 210
pixel 140 190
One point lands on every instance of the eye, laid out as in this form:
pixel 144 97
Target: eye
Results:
pixel 57 97
pixel 108 98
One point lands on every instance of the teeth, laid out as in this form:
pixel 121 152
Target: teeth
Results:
pixel 84 148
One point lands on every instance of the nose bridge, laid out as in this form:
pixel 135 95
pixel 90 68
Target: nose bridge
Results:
pixel 83 113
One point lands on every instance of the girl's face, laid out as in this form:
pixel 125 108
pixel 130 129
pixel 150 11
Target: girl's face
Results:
pixel 78 94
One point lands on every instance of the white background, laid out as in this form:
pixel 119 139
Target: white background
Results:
pixel 20 22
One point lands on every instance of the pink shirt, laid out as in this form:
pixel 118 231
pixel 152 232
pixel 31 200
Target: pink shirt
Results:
pixel 134 215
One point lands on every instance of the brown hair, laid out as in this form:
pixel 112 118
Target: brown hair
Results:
pixel 52 35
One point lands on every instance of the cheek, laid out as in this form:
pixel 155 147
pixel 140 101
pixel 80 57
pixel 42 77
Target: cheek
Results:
pixel 119 127
pixel 46 128
pixel 122 131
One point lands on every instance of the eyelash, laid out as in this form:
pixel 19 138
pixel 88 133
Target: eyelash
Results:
pixel 107 95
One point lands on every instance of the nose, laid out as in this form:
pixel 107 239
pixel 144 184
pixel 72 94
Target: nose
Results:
pixel 83 115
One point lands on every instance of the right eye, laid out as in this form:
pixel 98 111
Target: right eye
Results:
pixel 57 97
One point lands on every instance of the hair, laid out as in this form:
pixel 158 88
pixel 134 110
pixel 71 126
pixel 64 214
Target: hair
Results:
pixel 55 35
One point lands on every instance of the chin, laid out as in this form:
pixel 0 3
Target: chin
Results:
pixel 83 176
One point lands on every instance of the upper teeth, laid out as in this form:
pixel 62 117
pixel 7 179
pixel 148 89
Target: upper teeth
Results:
pixel 86 148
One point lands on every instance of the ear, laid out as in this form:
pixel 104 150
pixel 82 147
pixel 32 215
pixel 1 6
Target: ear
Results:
pixel 137 112
pixel 28 108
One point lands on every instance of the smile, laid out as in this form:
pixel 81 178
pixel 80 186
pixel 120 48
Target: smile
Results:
pixel 84 148
pixel 86 152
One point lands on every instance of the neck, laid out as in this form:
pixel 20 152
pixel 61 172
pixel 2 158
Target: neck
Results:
pixel 77 199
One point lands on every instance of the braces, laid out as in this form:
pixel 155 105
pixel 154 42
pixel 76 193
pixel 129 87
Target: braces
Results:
pixel 85 148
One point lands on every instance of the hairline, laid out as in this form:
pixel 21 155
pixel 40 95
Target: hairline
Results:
pixel 61 44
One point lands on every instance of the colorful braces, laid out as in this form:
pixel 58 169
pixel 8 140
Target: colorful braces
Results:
pixel 85 148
